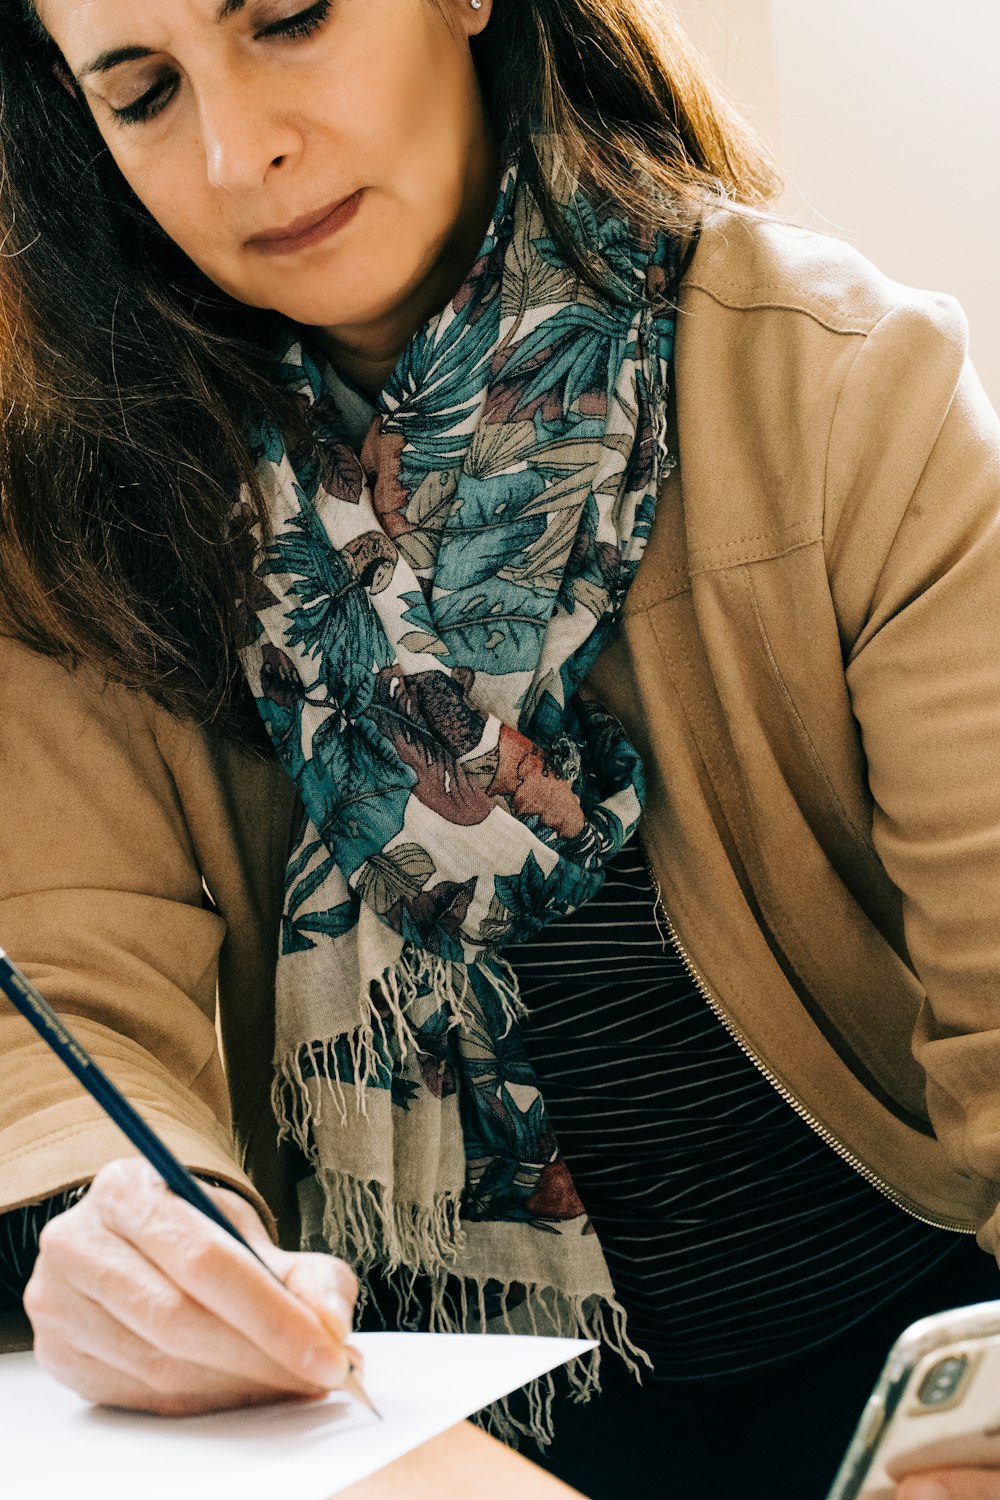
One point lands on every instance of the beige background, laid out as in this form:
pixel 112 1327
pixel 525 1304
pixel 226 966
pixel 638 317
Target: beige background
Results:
pixel 885 116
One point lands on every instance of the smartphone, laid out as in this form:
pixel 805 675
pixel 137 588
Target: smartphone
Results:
pixel 936 1404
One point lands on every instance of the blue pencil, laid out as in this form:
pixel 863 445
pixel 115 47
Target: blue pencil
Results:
pixel 36 1009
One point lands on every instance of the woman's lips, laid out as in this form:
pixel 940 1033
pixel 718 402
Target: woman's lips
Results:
pixel 287 241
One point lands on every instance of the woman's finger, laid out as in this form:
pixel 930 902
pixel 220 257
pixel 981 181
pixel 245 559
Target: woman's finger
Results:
pixel 130 1202
pixel 131 1319
pixel 324 1282
pixel 173 1391
pixel 244 1216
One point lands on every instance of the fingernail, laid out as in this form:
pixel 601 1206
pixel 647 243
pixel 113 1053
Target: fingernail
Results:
pixel 927 1489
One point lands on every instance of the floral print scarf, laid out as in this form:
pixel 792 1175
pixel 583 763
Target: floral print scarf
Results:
pixel 428 612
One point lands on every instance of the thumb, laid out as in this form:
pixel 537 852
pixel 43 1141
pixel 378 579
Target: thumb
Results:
pixel 952 1484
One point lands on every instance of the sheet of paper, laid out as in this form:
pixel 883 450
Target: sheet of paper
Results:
pixel 53 1446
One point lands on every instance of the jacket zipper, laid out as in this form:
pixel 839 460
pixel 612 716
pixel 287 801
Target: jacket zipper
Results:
pixel 959 1226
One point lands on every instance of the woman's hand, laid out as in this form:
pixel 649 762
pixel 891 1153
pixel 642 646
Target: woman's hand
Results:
pixel 952 1484
pixel 138 1300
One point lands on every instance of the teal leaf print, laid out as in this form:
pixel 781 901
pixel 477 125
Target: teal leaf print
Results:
pixel 501 633
pixel 299 894
pixel 487 529
pixel 403 1091
pixel 299 861
pixel 333 619
pixel 334 923
pixel 531 896
pixel 292 940
pixel 544 561
pixel 369 813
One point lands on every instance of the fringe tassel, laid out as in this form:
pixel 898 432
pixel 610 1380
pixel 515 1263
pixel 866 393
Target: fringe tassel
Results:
pixel 365 1225
pixel 588 1319
pixel 416 976
pixel 418 1249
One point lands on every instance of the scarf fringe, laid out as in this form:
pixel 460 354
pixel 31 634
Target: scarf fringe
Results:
pixel 582 1374
pixel 415 976
pixel 418 1252
pixel 365 1225
pixel 416 1248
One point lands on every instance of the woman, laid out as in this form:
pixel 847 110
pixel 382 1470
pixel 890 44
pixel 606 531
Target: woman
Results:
pixel 408 278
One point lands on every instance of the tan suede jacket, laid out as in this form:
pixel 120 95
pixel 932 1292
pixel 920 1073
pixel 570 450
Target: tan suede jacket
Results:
pixel 808 662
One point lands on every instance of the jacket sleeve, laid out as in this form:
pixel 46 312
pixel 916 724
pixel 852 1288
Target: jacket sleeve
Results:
pixel 913 527
pixel 102 904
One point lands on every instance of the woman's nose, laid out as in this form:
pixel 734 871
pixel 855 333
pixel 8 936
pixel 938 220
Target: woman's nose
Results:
pixel 244 138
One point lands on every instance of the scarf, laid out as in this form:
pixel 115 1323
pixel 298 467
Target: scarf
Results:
pixel 426 615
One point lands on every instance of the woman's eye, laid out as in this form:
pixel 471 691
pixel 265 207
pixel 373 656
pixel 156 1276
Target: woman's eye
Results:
pixel 303 23
pixel 148 104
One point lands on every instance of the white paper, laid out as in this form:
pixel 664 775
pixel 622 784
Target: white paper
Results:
pixel 54 1446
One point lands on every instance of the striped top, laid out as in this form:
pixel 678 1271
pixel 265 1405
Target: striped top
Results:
pixel 735 1236
pixel 19 1234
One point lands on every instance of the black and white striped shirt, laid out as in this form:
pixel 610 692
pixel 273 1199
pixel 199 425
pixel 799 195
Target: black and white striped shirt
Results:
pixel 736 1238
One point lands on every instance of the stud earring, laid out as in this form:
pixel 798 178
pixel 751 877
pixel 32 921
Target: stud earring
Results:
pixel 476 4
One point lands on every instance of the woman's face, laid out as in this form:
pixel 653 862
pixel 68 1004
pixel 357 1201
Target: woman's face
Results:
pixel 241 124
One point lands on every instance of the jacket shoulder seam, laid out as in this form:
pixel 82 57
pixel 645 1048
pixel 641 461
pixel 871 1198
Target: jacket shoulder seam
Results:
pixel 782 543
pixel 669 586
pixel 778 300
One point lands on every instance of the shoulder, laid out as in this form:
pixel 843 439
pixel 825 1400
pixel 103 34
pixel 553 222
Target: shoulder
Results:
pixel 804 378
pixel 794 342
pixel 746 262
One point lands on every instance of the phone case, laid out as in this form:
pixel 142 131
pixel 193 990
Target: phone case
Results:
pixel 936 1404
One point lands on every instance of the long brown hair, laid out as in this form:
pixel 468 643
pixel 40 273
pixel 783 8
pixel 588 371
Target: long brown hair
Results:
pixel 126 377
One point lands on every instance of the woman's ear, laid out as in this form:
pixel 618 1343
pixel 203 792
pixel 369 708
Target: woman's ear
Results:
pixel 475 16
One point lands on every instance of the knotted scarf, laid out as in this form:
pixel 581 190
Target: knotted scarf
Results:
pixel 427 613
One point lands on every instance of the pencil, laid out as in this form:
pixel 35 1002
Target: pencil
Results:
pixel 35 1008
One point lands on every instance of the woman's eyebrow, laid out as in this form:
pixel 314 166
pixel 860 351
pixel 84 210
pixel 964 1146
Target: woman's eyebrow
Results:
pixel 114 56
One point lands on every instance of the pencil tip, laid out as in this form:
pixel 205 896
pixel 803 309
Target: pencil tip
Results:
pixel 357 1390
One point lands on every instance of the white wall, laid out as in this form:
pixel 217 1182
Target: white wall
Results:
pixel 885 116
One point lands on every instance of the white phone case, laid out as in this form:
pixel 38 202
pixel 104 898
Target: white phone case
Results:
pixel 936 1404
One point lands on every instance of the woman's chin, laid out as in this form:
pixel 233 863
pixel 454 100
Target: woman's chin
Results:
pixel 335 303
